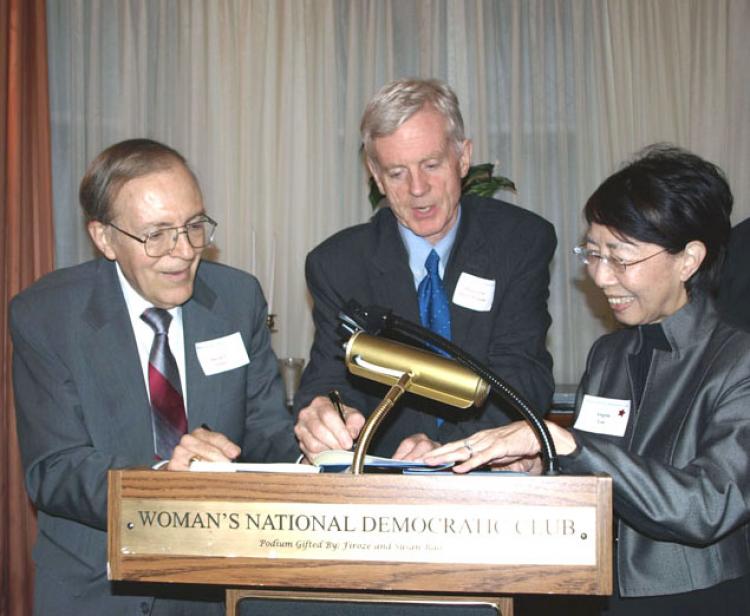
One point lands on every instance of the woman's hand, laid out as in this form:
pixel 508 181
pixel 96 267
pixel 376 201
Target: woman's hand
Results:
pixel 511 447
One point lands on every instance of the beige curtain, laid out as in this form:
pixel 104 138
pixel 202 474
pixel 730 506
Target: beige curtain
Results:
pixel 26 249
pixel 264 97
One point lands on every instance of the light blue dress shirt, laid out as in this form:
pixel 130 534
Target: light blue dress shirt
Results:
pixel 418 248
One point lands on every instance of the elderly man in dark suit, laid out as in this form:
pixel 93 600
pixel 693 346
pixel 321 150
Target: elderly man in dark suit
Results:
pixel 118 362
pixel 470 268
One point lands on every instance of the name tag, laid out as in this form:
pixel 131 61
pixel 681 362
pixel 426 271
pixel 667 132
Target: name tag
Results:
pixel 474 293
pixel 222 354
pixel 603 415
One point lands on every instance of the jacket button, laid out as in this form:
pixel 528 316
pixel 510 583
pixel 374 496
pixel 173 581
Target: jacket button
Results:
pixel 145 608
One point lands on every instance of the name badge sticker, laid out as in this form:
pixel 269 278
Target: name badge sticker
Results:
pixel 603 415
pixel 222 354
pixel 474 293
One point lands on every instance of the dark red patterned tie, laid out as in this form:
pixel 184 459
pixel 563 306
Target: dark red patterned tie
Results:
pixel 167 405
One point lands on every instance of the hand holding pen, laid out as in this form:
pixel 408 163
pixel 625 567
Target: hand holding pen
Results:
pixel 327 423
pixel 335 399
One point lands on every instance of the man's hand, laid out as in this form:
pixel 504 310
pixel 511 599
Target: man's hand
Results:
pixel 415 447
pixel 202 444
pixel 320 427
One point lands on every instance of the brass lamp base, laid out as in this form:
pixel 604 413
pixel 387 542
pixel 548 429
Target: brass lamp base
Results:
pixel 375 419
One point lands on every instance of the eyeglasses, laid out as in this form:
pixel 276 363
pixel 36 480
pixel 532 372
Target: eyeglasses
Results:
pixel 199 233
pixel 591 258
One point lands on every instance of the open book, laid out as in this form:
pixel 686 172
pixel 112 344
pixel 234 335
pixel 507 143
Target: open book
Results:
pixel 337 460
pixel 332 461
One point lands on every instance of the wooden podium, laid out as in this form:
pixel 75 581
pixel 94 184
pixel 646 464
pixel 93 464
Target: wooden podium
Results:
pixel 412 538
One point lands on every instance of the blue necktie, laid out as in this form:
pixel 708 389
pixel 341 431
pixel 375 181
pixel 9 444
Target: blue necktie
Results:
pixel 434 310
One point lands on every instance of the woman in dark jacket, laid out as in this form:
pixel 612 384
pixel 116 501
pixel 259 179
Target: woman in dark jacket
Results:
pixel 664 404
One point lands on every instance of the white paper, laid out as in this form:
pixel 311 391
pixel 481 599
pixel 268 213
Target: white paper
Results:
pixel 204 466
pixel 474 293
pixel 222 354
pixel 603 415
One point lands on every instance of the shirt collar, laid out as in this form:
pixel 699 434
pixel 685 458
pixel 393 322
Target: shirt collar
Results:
pixel 419 248
pixel 136 303
pixel 691 323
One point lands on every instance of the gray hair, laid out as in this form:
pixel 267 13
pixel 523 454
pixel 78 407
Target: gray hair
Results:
pixel 399 100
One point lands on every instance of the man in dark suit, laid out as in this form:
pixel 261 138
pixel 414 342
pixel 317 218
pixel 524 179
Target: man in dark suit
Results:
pixel 734 289
pixel 492 261
pixel 87 397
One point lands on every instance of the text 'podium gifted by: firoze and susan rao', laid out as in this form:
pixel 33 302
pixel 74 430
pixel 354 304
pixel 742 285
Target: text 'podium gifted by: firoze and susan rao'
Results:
pixel 428 538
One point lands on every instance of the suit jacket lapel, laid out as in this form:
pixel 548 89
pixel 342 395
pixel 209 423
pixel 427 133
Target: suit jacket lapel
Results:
pixel 393 282
pixel 201 322
pixel 390 276
pixel 469 254
pixel 109 344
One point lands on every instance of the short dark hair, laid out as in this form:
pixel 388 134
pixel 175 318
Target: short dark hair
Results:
pixel 118 164
pixel 669 197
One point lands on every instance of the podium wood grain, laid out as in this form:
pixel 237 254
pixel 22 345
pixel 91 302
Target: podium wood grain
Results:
pixel 461 579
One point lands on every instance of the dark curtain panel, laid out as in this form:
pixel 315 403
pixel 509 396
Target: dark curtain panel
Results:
pixel 26 252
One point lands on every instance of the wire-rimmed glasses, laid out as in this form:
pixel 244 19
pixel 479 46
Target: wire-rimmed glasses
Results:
pixel 592 258
pixel 199 233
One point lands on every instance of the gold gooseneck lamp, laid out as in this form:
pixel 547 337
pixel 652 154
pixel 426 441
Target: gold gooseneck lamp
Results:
pixel 407 369
pixel 461 381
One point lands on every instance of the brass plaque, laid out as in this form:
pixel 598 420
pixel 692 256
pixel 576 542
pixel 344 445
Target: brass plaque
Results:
pixel 503 534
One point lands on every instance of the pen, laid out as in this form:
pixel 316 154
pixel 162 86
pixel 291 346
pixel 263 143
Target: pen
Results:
pixel 335 399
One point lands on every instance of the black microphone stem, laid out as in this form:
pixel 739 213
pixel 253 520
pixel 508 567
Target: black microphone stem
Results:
pixel 505 391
